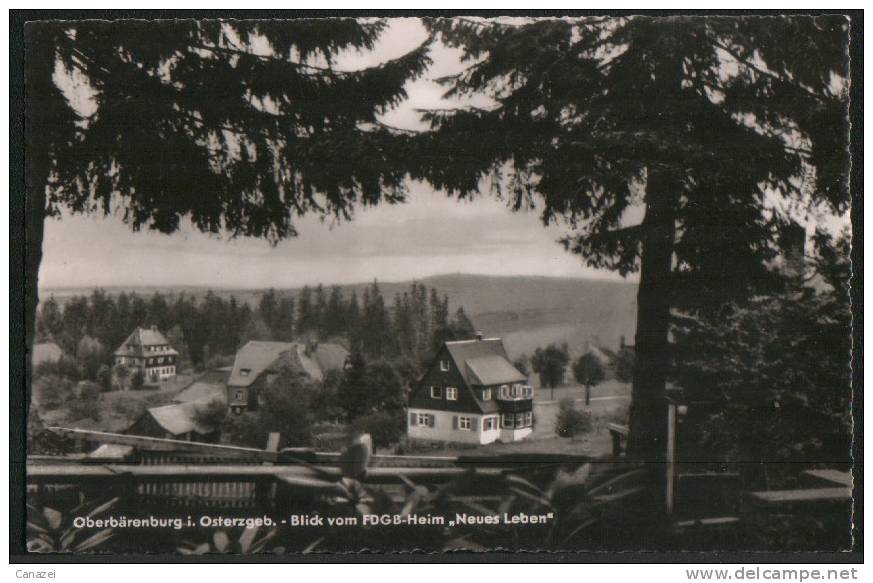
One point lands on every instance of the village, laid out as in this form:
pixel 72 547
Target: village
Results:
pixel 467 393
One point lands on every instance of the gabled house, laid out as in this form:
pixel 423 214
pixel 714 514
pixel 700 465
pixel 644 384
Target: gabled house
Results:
pixel 471 393
pixel 176 421
pixel 148 350
pixel 258 362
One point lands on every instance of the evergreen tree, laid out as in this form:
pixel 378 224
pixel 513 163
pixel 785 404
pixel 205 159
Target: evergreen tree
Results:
pixel 245 116
pixel 305 320
pixel 335 314
pixel 268 306
pixel 693 118
pixel 50 322
pixel 319 312
pixel 775 371
pixel 353 320
pixel 176 338
pixel 376 323
pixel 158 312
pixel 283 328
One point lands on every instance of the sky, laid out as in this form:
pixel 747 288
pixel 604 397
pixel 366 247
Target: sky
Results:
pixel 428 235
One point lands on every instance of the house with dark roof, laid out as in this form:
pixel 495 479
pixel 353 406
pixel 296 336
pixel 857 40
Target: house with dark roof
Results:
pixel 176 421
pixel 258 362
pixel 148 350
pixel 471 393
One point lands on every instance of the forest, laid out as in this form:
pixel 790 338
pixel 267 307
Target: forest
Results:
pixel 389 342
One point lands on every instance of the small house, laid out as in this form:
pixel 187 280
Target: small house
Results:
pixel 471 393
pixel 176 421
pixel 258 362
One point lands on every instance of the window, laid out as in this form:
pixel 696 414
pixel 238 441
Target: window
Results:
pixel 516 391
pixel 528 419
pixel 504 391
pixel 506 421
pixel 519 420
pixel 451 393
pixel 436 392
pixel 527 392
pixel 489 423
pixel 425 420
pixel 444 365
pixel 240 396
pixel 486 395
pixel 464 423
pixel 244 372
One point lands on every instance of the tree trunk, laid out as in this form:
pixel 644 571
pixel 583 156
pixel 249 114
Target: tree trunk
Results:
pixel 648 413
pixel 35 215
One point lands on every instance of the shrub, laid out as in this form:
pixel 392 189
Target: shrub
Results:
pixel 137 379
pixel 81 409
pixel 572 422
pixel 384 428
pixel 52 391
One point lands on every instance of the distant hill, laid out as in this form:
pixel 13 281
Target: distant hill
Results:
pixel 526 312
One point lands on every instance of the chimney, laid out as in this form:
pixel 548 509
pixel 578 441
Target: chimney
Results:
pixel 479 335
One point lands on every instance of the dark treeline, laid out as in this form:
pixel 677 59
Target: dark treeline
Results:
pixel 409 327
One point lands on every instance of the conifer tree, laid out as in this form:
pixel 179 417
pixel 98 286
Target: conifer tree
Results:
pixel 701 121
pixel 231 125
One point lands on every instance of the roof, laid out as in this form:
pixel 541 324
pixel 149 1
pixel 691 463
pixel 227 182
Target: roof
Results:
pixel 179 418
pixel 492 370
pixel 142 337
pixel 46 352
pixel 200 392
pixel 111 451
pixel 255 357
pixel 487 358
pixel 258 356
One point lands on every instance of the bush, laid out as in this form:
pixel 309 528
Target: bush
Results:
pixel 384 428
pixel 81 409
pixel 572 422
pixel 137 379
pixel 243 430
pixel 52 391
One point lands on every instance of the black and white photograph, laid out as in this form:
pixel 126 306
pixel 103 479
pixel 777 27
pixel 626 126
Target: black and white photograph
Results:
pixel 437 285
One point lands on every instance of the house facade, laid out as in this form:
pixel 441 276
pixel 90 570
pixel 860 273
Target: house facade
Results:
pixel 148 350
pixel 258 362
pixel 471 393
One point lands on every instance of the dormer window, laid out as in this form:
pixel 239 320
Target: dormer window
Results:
pixel 486 395
pixel 444 365
pixel 244 372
